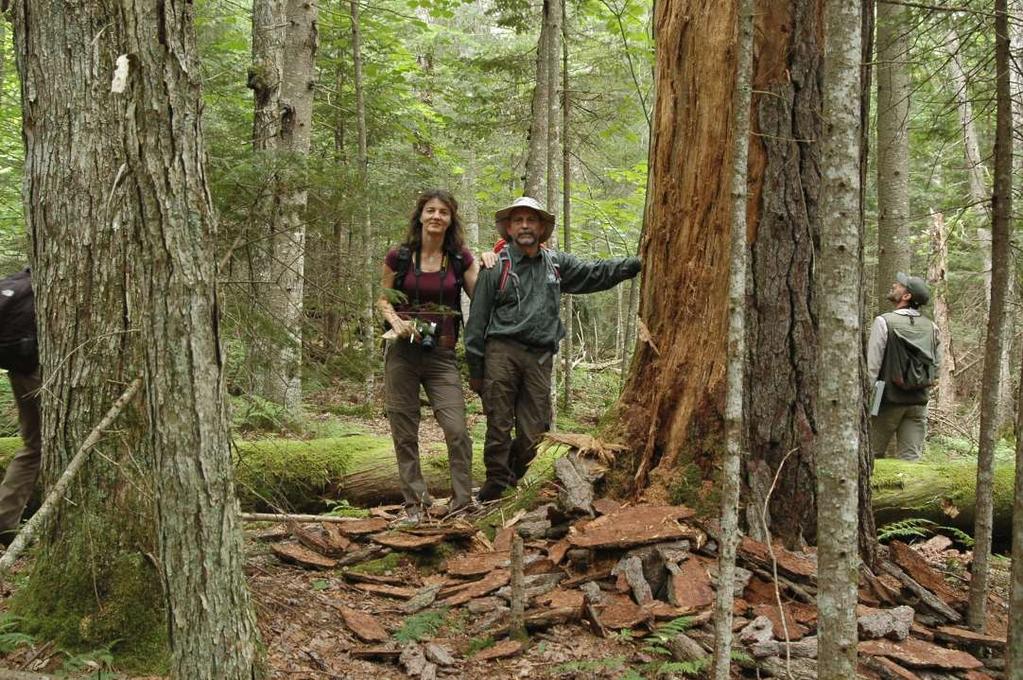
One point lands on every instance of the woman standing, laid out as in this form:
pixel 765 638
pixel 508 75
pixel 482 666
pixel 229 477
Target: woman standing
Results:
pixel 429 269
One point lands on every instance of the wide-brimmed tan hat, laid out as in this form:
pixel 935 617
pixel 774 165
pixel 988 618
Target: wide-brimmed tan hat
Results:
pixel 546 218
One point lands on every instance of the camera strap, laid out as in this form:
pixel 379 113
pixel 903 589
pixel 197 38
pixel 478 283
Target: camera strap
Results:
pixel 417 269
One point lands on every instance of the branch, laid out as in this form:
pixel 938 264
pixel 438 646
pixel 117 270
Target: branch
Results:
pixel 28 532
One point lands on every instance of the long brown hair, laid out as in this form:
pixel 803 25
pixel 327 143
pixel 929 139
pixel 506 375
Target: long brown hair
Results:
pixel 454 240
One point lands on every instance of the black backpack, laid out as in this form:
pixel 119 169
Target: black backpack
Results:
pixel 19 351
pixel 908 364
pixel 404 263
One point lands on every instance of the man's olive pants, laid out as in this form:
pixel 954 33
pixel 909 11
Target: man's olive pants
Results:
pixel 516 393
pixel 406 367
pixel 22 471
pixel 907 421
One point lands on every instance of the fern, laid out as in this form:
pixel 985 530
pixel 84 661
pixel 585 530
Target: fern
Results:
pixel 98 661
pixel 959 535
pixel 739 656
pixel 918 527
pixel 914 527
pixel 666 632
pixel 612 663
pixel 421 625
pixel 10 638
pixel 695 667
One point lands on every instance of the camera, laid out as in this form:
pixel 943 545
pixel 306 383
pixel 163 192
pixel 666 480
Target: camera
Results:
pixel 427 331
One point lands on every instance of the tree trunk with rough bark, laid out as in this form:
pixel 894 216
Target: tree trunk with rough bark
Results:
pixel 121 244
pixel 566 210
pixel 364 218
pixel 536 157
pixel 867 533
pixel 287 264
pixel 979 207
pixel 840 404
pixel 936 271
pixel 1001 218
pixel 731 466
pixel 671 408
pixel 894 251
pixel 1014 641
pixel 281 77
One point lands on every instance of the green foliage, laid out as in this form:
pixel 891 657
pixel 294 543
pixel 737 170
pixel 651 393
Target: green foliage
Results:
pixel 612 663
pixel 916 527
pixel 690 668
pixel 252 413
pixel 477 645
pixel 381 565
pixel 97 661
pixel 656 647
pixel 342 508
pixel 421 626
pixel 665 632
pixel 10 637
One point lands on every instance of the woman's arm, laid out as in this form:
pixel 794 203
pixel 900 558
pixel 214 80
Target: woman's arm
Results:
pixel 402 327
pixel 469 277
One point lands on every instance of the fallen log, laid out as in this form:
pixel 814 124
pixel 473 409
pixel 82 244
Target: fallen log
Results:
pixel 302 476
pixel 943 493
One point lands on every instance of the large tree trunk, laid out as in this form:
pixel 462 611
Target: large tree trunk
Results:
pixel 120 220
pixel 894 252
pixel 672 403
pixel 282 78
pixel 840 403
pixel 288 263
pixel 1001 214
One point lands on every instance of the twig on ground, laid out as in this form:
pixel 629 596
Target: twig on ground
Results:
pixel 774 562
pixel 28 532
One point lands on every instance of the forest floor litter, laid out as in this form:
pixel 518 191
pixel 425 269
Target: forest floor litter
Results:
pixel 607 589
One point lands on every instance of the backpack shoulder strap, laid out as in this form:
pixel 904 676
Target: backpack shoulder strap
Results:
pixel 402 266
pixel 504 258
pixel 548 258
pixel 458 267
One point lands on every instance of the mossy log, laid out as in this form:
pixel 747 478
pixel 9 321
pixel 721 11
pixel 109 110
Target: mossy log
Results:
pixel 944 493
pixel 305 476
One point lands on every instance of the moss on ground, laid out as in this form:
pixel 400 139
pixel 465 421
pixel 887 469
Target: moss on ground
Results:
pixel 381 565
pixel 130 622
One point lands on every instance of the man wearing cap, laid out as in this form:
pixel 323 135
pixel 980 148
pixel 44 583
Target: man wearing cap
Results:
pixel 902 412
pixel 513 332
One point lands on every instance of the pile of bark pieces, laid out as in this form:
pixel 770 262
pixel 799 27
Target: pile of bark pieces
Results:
pixel 614 567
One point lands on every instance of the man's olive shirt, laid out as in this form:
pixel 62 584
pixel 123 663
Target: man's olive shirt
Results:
pixel 528 309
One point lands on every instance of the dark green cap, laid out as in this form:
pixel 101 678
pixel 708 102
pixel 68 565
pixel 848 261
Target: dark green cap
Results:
pixel 916 286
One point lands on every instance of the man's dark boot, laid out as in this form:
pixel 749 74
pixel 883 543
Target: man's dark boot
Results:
pixel 521 461
pixel 490 491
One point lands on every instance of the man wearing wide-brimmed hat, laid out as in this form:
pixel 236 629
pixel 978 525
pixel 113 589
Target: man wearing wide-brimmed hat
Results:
pixel 513 332
pixel 901 412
